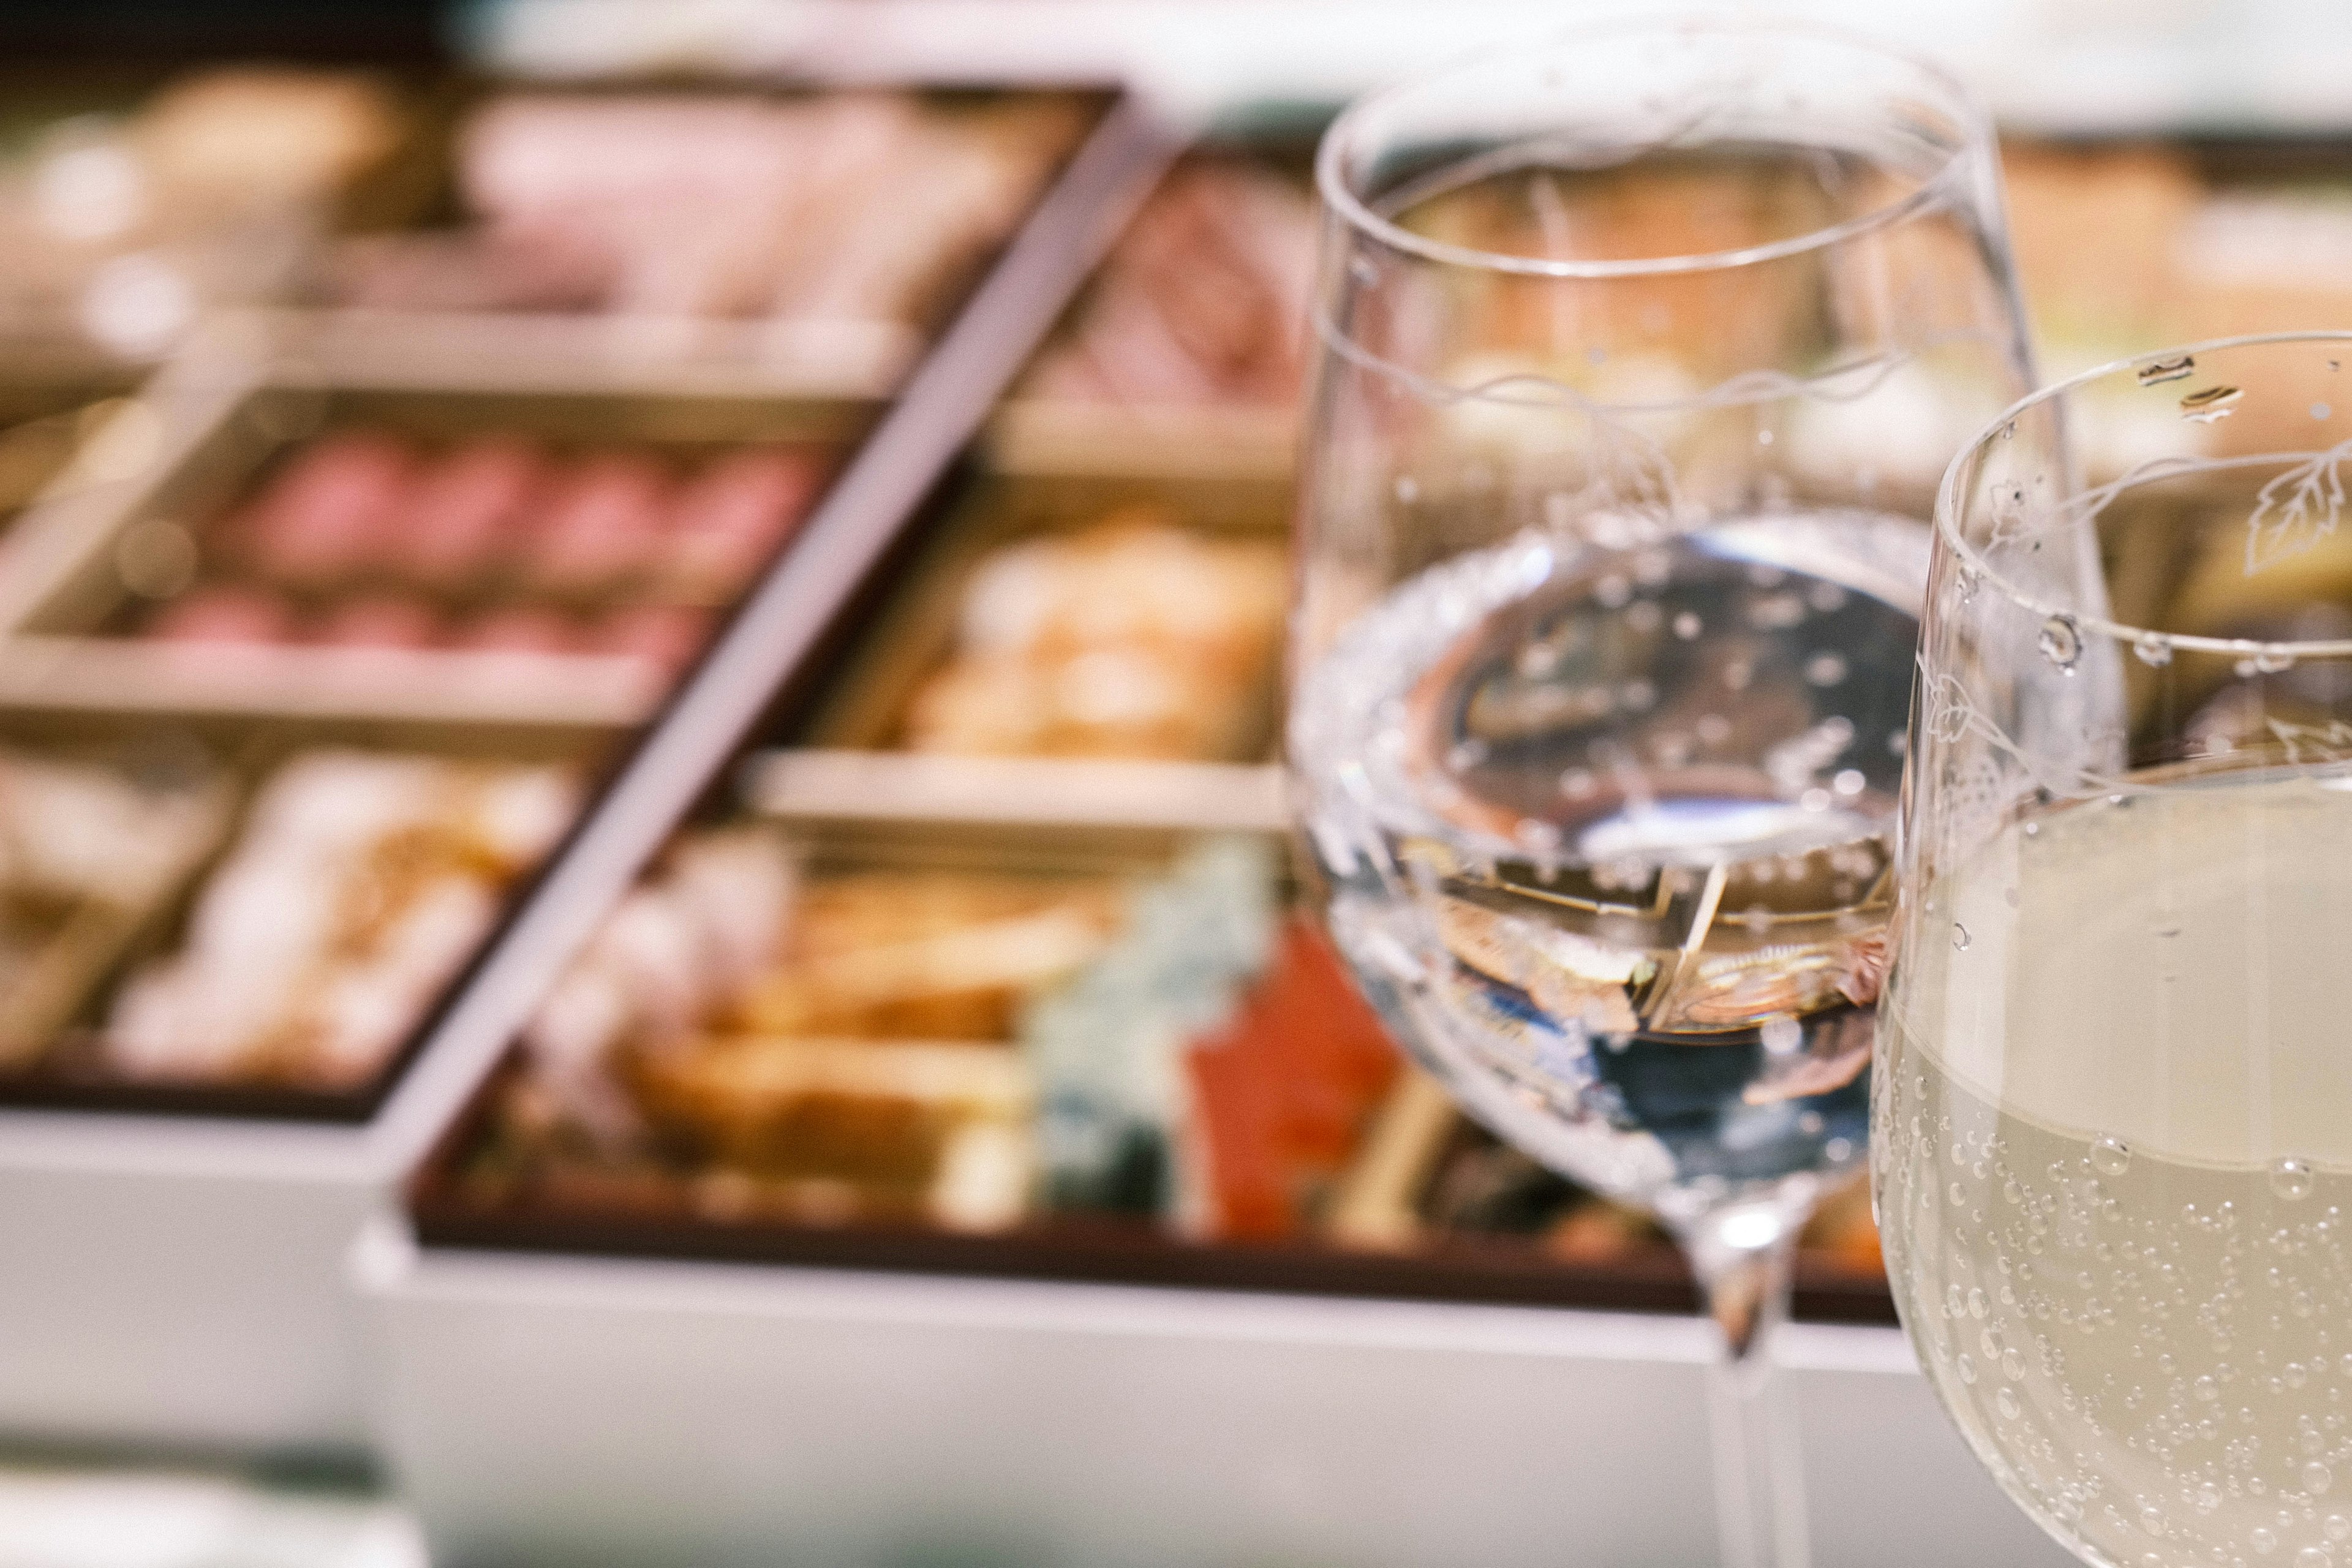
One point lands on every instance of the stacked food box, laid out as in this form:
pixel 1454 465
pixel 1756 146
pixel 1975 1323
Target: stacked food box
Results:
pixel 320 643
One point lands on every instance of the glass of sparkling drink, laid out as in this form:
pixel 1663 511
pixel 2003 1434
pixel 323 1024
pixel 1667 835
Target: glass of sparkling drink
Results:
pixel 2113 1100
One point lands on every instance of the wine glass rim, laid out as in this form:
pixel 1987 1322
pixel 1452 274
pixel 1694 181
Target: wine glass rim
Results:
pixel 1947 508
pixel 1333 186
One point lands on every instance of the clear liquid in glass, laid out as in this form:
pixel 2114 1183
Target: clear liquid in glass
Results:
pixel 1606 834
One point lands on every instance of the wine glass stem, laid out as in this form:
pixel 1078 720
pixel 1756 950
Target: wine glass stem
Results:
pixel 1742 1255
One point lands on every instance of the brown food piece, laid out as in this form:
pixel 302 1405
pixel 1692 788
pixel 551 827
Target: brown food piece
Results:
pixel 926 955
pixel 1131 639
pixel 877 1118
pixel 869 1137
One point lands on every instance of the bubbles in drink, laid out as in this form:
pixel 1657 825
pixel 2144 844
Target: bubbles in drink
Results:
pixel 2155 1212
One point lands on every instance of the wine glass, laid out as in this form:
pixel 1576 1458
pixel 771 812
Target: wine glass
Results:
pixel 1639 352
pixel 2113 1114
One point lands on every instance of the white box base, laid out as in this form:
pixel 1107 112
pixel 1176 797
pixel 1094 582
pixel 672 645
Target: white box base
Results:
pixel 179 1284
pixel 557 1410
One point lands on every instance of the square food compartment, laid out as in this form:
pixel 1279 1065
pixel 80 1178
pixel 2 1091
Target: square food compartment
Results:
pixel 307 522
pixel 719 224
pixel 228 937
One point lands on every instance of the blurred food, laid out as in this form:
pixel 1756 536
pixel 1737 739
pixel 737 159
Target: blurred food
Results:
pixel 841 1042
pixel 966 1048
pixel 1202 302
pixel 363 539
pixel 2093 231
pixel 33 452
pixel 2126 248
pixel 1133 638
pixel 714 205
pixel 359 884
pixel 265 133
pixel 1109 1049
pixel 926 955
pixel 87 855
pixel 1283 1090
pixel 122 226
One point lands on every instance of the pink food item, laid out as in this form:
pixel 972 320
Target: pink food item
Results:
pixel 1199 303
pixel 333 510
pixel 602 525
pixel 529 155
pixel 379 620
pixel 466 509
pixel 667 635
pixel 521 631
pixel 734 514
pixel 547 265
pixel 222 616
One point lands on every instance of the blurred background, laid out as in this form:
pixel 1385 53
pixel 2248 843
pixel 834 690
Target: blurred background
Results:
pixel 401 401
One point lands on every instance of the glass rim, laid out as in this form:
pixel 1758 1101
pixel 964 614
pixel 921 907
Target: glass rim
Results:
pixel 1337 194
pixel 1948 507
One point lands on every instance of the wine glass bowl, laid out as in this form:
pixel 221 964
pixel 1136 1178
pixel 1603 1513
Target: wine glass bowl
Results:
pixel 2113 1119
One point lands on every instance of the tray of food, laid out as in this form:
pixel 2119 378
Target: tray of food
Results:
pixel 1186 353
pixel 949 1130
pixel 400 595
pixel 337 539
pixel 825 234
pixel 1048 617
pixel 967 1059
pixel 829 1031
pixel 256 916
pixel 698 219
pixel 134 200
